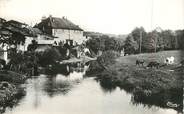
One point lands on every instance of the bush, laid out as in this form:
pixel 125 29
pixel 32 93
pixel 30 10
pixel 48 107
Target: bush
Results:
pixel 48 56
pixel 108 58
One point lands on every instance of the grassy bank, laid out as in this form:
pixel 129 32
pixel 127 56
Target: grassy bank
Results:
pixel 164 84
pixel 125 71
pixel 12 77
pixel 10 90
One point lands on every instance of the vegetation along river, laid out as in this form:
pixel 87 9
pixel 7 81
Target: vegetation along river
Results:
pixel 71 91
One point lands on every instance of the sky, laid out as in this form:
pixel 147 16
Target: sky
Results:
pixel 106 16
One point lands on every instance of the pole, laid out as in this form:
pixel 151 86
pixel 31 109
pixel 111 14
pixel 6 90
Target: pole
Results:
pixel 140 42
pixel 155 43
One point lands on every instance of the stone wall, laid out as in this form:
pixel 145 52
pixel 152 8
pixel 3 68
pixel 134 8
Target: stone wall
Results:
pixel 64 34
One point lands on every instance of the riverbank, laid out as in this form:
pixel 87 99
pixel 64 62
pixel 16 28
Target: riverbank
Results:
pixel 156 80
pixel 10 89
pixel 83 59
pixel 165 83
pixel 153 80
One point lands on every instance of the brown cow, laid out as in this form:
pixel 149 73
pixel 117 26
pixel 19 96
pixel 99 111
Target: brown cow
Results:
pixel 153 64
pixel 140 62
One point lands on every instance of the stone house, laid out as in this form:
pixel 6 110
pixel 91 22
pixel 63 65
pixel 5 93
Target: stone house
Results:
pixel 62 30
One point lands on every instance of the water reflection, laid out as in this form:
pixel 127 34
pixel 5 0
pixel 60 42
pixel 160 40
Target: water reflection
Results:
pixel 59 85
pixel 69 90
pixel 174 97
pixel 67 69
pixel 107 85
pixel 161 100
pixel 69 76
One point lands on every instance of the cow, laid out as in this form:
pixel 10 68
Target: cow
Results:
pixel 153 64
pixel 140 62
pixel 169 60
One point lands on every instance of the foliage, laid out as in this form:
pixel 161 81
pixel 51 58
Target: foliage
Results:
pixel 22 62
pixel 95 44
pixel 13 39
pixel 137 33
pixel 149 43
pixel 131 45
pixel 33 45
pixel 104 43
pixel 113 44
pixel 169 39
pixel 48 56
pixel 12 77
pixel 180 39
pixel 154 40
pixel 107 58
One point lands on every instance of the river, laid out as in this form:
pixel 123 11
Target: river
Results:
pixel 72 92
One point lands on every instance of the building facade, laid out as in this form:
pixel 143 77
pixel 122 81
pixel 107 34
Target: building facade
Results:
pixel 61 29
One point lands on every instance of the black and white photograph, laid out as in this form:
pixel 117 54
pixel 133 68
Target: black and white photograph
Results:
pixel 91 56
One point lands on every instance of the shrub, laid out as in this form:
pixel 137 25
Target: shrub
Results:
pixel 48 56
pixel 108 58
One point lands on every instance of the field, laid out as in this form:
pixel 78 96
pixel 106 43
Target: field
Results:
pixel 160 57
pixel 148 85
pixel 165 77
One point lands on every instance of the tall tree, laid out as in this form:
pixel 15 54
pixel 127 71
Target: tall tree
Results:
pixel 131 46
pixel 169 39
pixel 149 43
pixel 139 34
pixel 180 39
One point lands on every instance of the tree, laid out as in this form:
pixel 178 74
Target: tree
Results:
pixel 131 45
pixel 149 42
pixel 169 39
pixel 96 44
pixel 180 39
pixel 139 34
pixel 110 44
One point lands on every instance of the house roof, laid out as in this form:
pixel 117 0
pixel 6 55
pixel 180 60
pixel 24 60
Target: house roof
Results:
pixel 58 23
pixel 34 31
pixel 2 20
pixel 16 23
pixel 13 26
pixel 4 32
pixel 15 29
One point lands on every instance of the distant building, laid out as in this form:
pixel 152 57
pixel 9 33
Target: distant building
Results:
pixel 62 30
pixel 4 53
pixel 18 29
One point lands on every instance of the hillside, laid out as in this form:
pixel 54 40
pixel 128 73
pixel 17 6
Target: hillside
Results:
pixel 98 34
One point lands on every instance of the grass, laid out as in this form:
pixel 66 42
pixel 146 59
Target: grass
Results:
pixel 148 82
pixel 160 57
pixel 166 77
pixel 12 77
pixel 149 86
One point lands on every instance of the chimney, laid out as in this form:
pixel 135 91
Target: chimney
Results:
pixel 43 18
pixel 64 17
